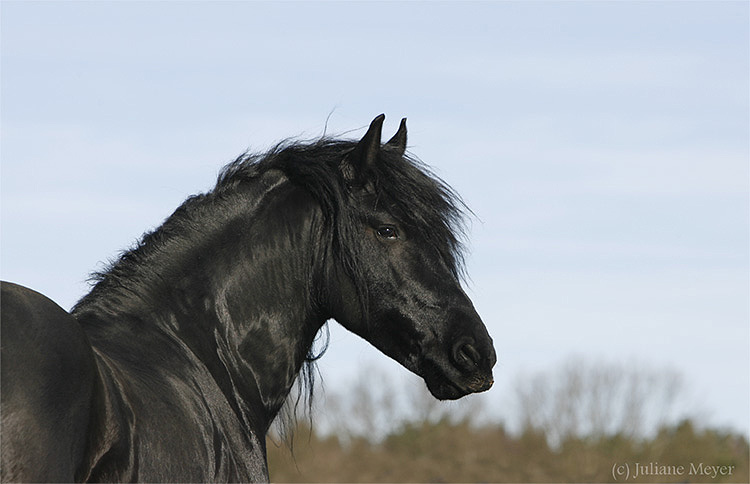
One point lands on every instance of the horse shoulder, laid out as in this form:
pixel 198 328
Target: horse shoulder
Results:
pixel 47 380
pixel 169 421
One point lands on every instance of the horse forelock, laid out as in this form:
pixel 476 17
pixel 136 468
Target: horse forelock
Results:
pixel 426 204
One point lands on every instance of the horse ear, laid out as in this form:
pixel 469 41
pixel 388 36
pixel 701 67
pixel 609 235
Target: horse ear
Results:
pixel 398 142
pixel 366 151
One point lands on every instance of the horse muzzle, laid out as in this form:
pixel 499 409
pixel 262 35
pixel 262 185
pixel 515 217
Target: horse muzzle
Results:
pixel 468 369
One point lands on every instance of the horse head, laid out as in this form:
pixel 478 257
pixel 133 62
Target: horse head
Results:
pixel 398 284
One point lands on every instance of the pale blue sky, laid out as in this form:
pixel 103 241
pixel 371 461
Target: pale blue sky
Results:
pixel 603 147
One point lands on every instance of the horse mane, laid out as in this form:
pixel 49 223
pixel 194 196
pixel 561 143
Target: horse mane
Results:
pixel 419 199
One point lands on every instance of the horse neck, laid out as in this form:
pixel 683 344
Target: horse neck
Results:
pixel 238 295
pixel 267 301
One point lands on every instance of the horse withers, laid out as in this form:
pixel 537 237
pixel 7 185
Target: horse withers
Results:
pixel 175 364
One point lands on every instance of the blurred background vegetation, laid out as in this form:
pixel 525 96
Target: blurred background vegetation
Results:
pixel 582 421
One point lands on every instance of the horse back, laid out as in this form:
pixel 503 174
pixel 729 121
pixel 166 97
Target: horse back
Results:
pixel 47 381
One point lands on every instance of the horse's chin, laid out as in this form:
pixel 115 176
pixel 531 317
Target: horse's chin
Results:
pixel 445 390
pixel 444 387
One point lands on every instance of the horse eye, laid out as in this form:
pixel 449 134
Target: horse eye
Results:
pixel 387 232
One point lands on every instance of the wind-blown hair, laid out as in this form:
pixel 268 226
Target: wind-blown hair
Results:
pixel 420 199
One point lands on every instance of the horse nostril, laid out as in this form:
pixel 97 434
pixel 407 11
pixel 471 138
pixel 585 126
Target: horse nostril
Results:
pixel 465 356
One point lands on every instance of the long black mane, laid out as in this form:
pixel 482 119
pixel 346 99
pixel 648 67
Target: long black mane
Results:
pixel 419 198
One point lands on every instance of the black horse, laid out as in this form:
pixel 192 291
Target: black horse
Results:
pixel 175 364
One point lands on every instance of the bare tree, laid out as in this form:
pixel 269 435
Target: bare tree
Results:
pixel 375 404
pixel 596 399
